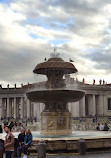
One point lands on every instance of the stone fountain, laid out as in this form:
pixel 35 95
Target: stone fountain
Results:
pixel 56 118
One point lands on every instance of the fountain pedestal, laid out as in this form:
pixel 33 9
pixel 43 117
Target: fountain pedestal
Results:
pixel 56 123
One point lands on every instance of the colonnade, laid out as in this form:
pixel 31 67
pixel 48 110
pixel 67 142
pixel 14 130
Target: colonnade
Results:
pixel 16 107
pixel 95 104
pixel 21 107
pixel 90 105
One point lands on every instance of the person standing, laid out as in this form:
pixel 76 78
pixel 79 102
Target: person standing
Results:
pixel 9 142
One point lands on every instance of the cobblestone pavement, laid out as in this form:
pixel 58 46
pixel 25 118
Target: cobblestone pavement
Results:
pixel 101 155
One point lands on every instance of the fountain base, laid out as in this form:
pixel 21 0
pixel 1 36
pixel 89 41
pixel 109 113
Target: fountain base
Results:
pixel 56 123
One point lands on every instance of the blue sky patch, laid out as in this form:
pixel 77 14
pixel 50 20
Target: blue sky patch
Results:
pixel 6 1
pixel 58 41
pixel 35 36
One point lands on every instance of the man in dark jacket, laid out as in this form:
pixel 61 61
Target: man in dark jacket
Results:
pixel 21 142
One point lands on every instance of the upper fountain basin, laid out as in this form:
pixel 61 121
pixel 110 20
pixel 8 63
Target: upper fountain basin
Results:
pixel 44 96
pixel 54 64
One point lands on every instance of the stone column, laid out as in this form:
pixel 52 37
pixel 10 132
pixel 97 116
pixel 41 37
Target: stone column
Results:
pixel 22 108
pixel 105 105
pixel 8 108
pixel 1 107
pixel 15 108
pixel 89 105
pixel 100 103
pixel 18 107
pixel 28 108
pixel 75 109
pixel 25 107
pixel 4 108
pixel 93 105
pixel 82 107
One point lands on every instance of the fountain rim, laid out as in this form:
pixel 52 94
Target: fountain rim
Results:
pixel 56 95
pixel 55 64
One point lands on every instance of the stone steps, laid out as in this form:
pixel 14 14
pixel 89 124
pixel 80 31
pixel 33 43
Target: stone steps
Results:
pixel 72 145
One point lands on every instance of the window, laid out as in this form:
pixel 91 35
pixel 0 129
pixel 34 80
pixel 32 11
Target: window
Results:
pixel 109 103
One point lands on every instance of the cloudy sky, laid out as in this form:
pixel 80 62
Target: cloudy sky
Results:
pixel 30 29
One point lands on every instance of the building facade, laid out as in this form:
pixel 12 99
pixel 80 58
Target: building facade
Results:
pixel 96 102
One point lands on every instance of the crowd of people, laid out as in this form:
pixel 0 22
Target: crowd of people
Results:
pixel 21 144
pixel 102 127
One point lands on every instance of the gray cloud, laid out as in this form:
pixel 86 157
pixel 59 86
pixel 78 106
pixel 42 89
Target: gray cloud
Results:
pixel 17 65
pixel 102 58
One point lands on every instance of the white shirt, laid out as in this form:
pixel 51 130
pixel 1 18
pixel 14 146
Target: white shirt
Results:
pixel 101 127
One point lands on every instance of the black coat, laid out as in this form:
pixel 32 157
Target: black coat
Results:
pixel 1 130
pixel 21 137
pixel 106 128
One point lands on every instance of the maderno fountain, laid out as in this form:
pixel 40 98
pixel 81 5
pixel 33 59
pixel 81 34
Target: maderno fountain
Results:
pixel 55 118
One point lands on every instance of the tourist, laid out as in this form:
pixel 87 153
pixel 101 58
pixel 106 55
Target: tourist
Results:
pixel 101 127
pixel 20 124
pixel 106 128
pixel 96 120
pixel 11 124
pixel 21 137
pixel 15 124
pixel 1 130
pixel 9 142
pixel 93 120
pixel 27 142
pixel 80 120
pixel 98 127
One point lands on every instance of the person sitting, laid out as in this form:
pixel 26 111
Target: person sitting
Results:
pixel 27 141
pixel 98 127
pixel 21 137
pixel 101 127
pixel 106 128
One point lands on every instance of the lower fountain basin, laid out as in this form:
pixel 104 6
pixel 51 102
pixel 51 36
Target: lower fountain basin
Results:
pixel 75 135
pixel 44 96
